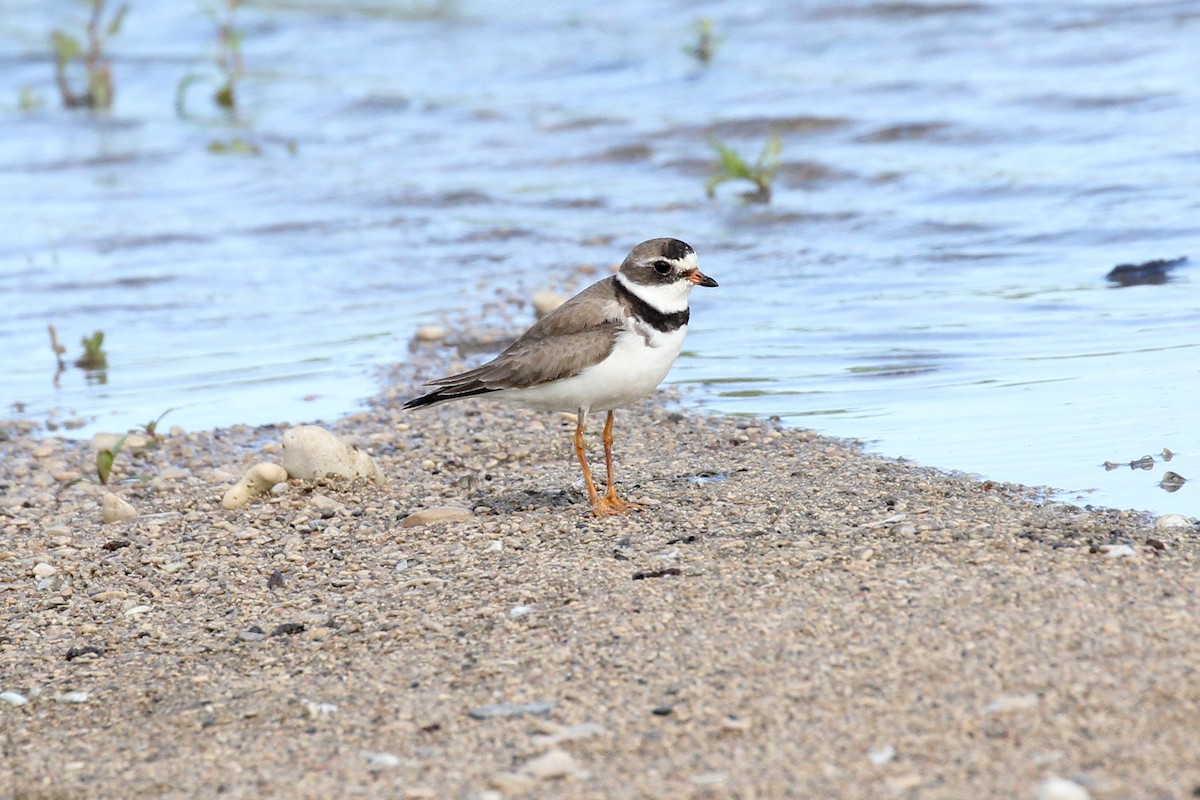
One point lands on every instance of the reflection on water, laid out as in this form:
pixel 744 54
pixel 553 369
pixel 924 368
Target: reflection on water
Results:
pixel 931 275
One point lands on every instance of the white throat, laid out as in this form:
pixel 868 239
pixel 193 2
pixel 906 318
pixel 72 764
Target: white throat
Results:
pixel 668 298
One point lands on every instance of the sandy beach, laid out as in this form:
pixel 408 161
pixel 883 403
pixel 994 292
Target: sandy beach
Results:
pixel 786 617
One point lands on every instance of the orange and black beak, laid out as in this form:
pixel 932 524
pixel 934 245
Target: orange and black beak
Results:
pixel 700 279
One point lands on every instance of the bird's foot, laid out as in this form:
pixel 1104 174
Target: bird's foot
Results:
pixel 611 504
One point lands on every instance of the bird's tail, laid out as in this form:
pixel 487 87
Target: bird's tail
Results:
pixel 445 394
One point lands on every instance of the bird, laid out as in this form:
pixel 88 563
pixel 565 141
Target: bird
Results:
pixel 609 345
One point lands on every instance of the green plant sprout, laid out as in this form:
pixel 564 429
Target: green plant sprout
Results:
pixel 732 167
pixel 151 428
pixel 96 64
pixel 94 357
pixel 104 465
pixel 228 59
pixel 705 43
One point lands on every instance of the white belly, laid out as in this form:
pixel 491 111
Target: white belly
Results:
pixel 633 370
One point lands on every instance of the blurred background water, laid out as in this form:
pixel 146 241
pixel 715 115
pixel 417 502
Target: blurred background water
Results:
pixel 957 180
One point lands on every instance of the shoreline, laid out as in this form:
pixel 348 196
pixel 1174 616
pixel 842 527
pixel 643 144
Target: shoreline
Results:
pixel 788 616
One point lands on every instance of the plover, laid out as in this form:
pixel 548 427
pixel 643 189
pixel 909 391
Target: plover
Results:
pixel 607 346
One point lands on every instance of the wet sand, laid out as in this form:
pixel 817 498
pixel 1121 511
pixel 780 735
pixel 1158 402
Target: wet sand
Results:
pixel 786 617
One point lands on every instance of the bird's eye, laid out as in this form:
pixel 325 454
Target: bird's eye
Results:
pixel 662 267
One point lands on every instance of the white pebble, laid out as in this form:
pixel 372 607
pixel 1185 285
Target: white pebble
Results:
pixel 258 481
pixel 311 453
pixel 317 710
pixel 14 698
pixel 72 697
pixel 107 441
pixel 882 755
pixel 431 333
pixel 43 570
pixel 1169 521
pixel 1011 702
pixel 114 509
pixel 381 760
pixel 1117 550
pixel 553 734
pixel 709 779
pixel 1061 789
pixel 135 610
pixel 545 301
pixel 519 611
pixel 551 764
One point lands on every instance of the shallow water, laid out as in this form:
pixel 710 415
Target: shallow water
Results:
pixel 958 179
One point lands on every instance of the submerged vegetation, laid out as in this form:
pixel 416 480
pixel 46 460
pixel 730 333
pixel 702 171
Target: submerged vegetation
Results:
pixel 94 357
pixel 228 59
pixel 732 167
pixel 96 64
pixel 704 42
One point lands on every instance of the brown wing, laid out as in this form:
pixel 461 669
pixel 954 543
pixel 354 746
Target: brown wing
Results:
pixel 577 334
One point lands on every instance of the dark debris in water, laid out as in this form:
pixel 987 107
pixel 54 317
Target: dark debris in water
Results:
pixel 1149 273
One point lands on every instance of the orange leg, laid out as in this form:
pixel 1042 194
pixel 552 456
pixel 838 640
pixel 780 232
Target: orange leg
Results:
pixel 610 497
pixel 599 506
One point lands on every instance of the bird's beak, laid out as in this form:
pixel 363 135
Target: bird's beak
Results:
pixel 700 279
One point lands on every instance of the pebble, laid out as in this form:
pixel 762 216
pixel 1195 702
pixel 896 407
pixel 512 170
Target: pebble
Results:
pixel 430 333
pixel 428 516
pixel 325 503
pixel 381 760
pixel 317 710
pixel 882 755
pixel 135 610
pixel 258 481
pixel 311 453
pixel 544 301
pixel 1011 702
pixel 1168 521
pixel 14 698
pixel 736 723
pixel 511 710
pixel 1117 551
pixel 43 570
pixel 1061 789
pixel 553 734
pixel 44 450
pixel 114 509
pixel 107 441
pixel 512 782
pixel 551 764
pixel 72 697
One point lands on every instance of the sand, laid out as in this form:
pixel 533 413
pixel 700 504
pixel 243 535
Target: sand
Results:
pixel 786 617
